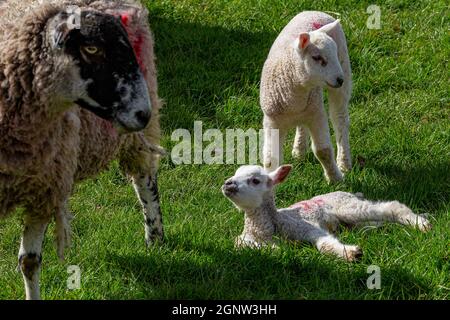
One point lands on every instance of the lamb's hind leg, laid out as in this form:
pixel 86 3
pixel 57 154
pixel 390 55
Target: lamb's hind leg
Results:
pixel 301 143
pixel 30 256
pixel 146 187
pixel 362 212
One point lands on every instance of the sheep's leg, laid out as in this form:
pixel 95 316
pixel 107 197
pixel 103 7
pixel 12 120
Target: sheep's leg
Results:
pixel 146 187
pixel 30 256
pixel 339 99
pixel 360 212
pixel 274 138
pixel 301 143
pixel 321 146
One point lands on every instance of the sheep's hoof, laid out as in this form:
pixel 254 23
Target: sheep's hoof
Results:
pixel 154 237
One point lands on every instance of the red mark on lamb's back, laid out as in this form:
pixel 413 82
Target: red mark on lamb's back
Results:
pixel 316 25
pixel 308 205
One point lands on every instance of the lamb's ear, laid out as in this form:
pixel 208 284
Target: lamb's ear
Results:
pixel 62 26
pixel 279 175
pixel 303 40
pixel 328 28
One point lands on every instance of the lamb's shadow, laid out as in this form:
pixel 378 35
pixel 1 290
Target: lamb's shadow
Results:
pixel 199 66
pixel 252 274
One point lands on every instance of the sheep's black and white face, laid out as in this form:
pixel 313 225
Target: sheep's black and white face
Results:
pixel 101 68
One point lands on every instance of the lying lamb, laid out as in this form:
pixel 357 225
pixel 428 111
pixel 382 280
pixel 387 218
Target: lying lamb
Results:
pixel 310 53
pixel 72 79
pixel 251 190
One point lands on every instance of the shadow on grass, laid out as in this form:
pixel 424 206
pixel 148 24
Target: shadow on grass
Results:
pixel 218 273
pixel 426 186
pixel 201 67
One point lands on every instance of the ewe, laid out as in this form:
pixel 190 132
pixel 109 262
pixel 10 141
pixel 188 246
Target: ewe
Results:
pixel 71 80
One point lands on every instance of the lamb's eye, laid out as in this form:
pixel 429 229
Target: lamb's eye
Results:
pixel 92 50
pixel 320 60
pixel 256 181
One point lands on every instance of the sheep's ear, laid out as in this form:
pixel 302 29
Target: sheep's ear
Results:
pixel 303 40
pixel 328 28
pixel 125 14
pixel 62 26
pixel 279 175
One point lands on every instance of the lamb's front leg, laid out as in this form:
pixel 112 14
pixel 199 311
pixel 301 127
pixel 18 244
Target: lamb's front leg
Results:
pixel 30 256
pixel 339 99
pixel 146 187
pixel 274 137
pixel 322 147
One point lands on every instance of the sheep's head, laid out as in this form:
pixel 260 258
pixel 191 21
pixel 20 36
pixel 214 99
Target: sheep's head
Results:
pixel 98 68
pixel 251 185
pixel 318 52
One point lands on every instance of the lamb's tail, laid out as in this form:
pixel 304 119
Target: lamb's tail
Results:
pixel 63 231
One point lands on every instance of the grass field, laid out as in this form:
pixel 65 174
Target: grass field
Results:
pixel 210 55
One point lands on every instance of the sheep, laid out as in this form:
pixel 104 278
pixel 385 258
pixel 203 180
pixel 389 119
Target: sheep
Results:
pixel 251 190
pixel 78 88
pixel 309 54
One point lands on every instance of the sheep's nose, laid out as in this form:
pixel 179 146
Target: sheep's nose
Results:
pixel 142 117
pixel 339 81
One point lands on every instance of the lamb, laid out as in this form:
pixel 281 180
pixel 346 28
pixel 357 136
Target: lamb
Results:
pixel 251 190
pixel 78 89
pixel 309 54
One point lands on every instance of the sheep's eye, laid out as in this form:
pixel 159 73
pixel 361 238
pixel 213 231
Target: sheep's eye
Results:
pixel 92 50
pixel 255 181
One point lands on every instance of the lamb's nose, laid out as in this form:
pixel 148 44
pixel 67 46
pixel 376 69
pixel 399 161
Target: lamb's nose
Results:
pixel 339 81
pixel 229 182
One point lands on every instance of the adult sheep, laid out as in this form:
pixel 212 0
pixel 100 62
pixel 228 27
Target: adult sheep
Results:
pixel 74 76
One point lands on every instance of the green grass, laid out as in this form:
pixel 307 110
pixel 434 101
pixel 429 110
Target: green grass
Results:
pixel 210 55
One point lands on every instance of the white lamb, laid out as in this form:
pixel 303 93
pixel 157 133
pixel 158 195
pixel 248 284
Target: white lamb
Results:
pixel 251 190
pixel 309 54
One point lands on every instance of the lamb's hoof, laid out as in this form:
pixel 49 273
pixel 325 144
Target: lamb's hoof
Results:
pixel 353 253
pixel 423 224
pixel 344 166
pixel 335 178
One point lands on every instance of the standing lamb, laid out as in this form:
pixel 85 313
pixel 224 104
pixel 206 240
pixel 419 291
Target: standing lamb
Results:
pixel 74 74
pixel 310 53
pixel 251 190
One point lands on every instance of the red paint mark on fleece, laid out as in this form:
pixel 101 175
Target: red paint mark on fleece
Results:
pixel 316 25
pixel 308 205
pixel 137 43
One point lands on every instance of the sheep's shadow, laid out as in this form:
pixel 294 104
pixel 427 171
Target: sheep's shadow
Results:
pixel 254 274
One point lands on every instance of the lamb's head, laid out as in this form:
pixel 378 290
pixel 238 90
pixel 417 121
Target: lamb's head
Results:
pixel 318 53
pixel 251 186
pixel 97 68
